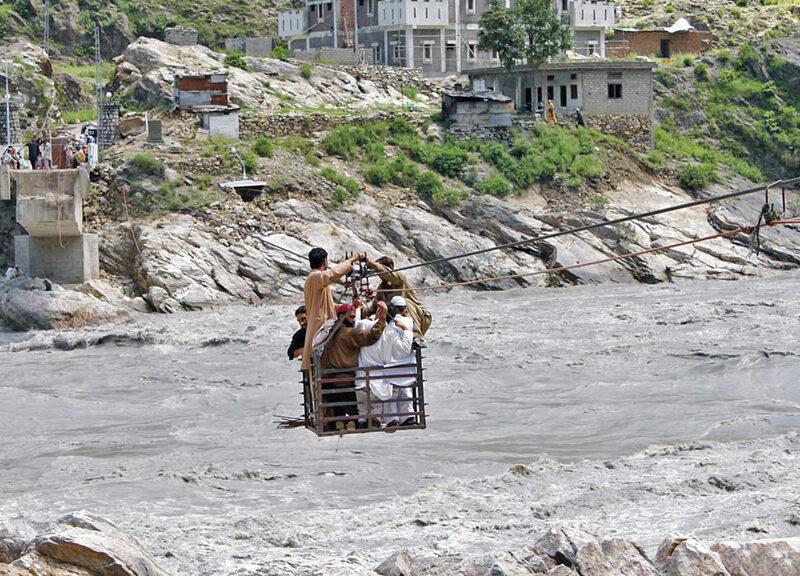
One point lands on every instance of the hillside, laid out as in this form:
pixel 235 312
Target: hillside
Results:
pixel 732 21
pixel 72 28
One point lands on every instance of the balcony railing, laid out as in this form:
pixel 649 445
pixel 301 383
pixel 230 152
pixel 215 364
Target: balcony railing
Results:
pixel 291 23
pixel 588 14
pixel 412 13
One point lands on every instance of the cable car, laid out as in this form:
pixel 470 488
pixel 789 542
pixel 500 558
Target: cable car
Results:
pixel 326 413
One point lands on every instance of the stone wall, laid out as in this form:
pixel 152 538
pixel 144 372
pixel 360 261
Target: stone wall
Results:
pixel 180 36
pixel 635 130
pixel 254 125
pixel 257 47
pixel 341 56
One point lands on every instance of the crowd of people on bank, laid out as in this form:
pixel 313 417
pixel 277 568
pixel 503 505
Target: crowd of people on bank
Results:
pixel 38 153
pixel 374 335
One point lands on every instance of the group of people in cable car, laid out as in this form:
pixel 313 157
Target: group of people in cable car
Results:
pixel 373 336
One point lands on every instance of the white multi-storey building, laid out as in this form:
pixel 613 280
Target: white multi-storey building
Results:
pixel 439 36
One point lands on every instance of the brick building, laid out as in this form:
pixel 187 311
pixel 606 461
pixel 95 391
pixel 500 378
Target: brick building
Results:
pixel 680 38
pixel 439 36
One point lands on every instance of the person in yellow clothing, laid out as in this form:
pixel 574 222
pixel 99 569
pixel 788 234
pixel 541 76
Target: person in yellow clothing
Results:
pixel 551 113
pixel 318 295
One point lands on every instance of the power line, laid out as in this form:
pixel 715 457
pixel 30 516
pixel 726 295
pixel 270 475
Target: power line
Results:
pixel 597 225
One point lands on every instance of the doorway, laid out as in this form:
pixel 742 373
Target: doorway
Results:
pixel 665 51
pixel 528 98
pixel 563 102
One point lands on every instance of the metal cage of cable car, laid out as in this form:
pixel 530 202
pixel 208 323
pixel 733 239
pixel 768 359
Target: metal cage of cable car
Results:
pixel 328 413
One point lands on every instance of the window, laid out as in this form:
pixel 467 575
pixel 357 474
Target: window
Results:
pixel 591 48
pixel 329 7
pixel 427 52
pixel 415 11
pixel 470 6
pixel 472 51
pixel 495 55
pixel 551 78
pixel 361 3
pixel 614 85
pixel 395 52
pixel 573 76
pixel 573 91
pixel 550 93
pixel 539 94
pixel 370 6
pixel 564 5
pixel 319 11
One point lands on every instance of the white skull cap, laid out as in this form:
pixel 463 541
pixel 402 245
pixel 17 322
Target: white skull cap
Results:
pixel 398 301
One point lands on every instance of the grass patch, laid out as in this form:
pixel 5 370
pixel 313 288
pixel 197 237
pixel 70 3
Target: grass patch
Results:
pixel 698 176
pixel 306 70
pixel 410 92
pixel 236 60
pixel 341 180
pixel 494 185
pixel 264 147
pixel 79 116
pixel 148 164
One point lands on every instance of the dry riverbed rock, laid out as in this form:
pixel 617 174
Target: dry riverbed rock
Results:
pixel 82 545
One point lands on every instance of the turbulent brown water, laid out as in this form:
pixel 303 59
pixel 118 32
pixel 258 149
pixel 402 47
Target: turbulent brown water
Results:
pixel 166 427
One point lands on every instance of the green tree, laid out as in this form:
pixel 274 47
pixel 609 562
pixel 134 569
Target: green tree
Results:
pixel 530 31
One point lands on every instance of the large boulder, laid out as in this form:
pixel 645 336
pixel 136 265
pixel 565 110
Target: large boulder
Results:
pixel 83 545
pixel 36 304
pixel 592 555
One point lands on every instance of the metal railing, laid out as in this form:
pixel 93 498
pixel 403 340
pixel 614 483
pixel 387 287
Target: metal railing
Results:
pixel 330 417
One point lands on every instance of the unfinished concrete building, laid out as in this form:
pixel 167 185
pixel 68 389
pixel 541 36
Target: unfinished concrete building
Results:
pixel 50 210
pixel 439 36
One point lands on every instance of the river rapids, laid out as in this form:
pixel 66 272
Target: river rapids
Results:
pixel 643 410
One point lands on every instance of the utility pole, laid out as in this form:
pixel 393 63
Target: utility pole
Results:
pixel 47 26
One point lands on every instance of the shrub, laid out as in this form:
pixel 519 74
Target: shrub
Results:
pixel 149 164
pixel 375 152
pixel 429 185
pixel 654 160
pixel 742 3
pixel 747 57
pixel 249 159
pixel 410 92
pixel 687 61
pixel 281 53
pixel 378 174
pixel 447 159
pixel 264 147
pixel 404 172
pixel 697 176
pixel 305 70
pixel 494 185
pixel 344 141
pixel 587 167
pixel 669 9
pixel 400 125
pixel 701 73
pixel 598 201
pixel 339 196
pixel 295 144
pixel 236 60
pixel 343 181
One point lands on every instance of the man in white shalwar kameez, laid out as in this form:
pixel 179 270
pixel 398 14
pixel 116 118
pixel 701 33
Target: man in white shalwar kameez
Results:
pixel 394 347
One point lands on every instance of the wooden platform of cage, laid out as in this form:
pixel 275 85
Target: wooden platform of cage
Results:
pixel 323 382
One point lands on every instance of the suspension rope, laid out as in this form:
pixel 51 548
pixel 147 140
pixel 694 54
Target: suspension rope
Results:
pixel 596 225
pixel 725 234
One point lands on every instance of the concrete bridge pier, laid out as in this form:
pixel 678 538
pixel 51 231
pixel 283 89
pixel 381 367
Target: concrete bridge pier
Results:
pixel 50 209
